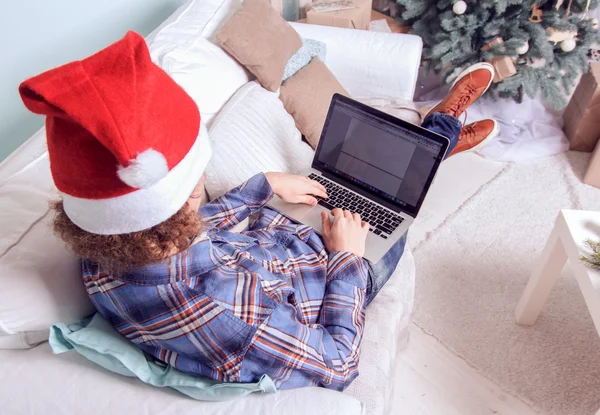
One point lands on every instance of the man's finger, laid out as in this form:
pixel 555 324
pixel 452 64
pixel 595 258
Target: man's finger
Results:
pixel 347 214
pixel 319 190
pixel 338 216
pixel 337 212
pixel 356 218
pixel 320 186
pixel 309 200
pixel 326 223
pixel 364 225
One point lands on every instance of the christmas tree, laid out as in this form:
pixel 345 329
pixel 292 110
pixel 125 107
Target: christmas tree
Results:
pixel 535 46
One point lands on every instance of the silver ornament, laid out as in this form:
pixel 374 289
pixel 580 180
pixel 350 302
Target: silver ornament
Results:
pixel 568 45
pixel 523 49
pixel 459 7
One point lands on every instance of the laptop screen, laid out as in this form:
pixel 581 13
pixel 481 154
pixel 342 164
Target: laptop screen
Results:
pixel 379 154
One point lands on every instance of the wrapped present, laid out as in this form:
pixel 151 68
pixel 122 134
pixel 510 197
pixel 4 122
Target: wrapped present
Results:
pixel 356 18
pixel 504 66
pixel 582 115
pixel 592 174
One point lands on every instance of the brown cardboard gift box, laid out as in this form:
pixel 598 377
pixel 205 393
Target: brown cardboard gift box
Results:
pixel 592 175
pixel 582 115
pixel 357 18
pixel 504 67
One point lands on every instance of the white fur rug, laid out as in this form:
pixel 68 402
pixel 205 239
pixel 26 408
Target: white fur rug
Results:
pixel 457 180
pixel 471 272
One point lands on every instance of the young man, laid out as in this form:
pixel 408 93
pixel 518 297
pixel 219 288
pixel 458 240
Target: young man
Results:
pixel 128 149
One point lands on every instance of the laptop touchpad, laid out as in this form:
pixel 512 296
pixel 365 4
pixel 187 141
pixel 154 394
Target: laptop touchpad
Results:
pixel 313 218
pixel 295 211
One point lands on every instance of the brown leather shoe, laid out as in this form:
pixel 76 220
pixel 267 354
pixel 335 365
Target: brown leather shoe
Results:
pixel 470 85
pixel 476 135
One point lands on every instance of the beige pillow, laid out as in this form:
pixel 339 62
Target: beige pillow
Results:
pixel 260 40
pixel 307 95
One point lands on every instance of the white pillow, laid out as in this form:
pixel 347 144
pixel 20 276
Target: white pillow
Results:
pixel 183 46
pixel 194 18
pixel 253 134
pixel 40 281
pixel 27 153
pixel 369 64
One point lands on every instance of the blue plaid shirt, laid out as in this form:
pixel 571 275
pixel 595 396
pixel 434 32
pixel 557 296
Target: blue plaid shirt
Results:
pixel 235 306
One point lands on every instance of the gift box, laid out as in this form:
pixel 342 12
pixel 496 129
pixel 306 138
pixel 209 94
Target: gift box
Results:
pixel 582 115
pixel 357 18
pixel 592 174
pixel 504 67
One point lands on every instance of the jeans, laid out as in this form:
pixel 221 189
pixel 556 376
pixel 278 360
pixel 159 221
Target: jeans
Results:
pixel 380 273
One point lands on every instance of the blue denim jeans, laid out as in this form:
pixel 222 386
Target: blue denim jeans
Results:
pixel 380 273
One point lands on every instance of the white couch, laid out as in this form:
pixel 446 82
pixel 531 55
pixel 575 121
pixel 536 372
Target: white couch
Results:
pixel 40 282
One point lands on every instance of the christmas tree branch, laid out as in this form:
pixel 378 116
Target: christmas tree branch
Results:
pixel 593 260
pixel 548 46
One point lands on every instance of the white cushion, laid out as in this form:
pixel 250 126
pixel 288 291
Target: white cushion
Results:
pixel 194 18
pixel 253 134
pixel 37 382
pixel 369 64
pixel 40 281
pixel 184 47
pixel 28 152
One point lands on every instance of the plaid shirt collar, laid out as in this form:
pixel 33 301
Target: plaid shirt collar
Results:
pixel 206 254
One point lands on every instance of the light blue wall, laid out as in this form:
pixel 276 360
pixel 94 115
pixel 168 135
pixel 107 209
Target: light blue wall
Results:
pixel 36 35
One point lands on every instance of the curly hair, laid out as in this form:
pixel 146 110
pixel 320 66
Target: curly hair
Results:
pixel 117 253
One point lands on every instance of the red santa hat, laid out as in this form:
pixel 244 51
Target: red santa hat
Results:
pixel 126 143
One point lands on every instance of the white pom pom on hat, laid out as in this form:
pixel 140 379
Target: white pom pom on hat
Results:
pixel 147 168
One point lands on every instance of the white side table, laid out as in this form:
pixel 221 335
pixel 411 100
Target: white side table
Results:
pixel 566 242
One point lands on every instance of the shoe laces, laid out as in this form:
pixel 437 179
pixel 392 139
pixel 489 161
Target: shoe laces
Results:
pixel 463 100
pixel 465 120
pixel 468 131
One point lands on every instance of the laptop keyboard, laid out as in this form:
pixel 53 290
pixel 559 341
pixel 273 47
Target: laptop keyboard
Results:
pixel 383 222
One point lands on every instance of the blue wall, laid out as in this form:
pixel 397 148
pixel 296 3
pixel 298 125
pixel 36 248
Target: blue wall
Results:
pixel 36 35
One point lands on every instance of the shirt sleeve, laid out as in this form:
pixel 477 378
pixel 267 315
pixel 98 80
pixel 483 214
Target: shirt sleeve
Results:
pixel 239 203
pixel 324 354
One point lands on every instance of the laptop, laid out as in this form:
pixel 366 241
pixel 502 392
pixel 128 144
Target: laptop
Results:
pixel 373 164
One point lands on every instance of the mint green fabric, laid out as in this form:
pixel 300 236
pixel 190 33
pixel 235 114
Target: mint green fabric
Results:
pixel 96 340
pixel 310 49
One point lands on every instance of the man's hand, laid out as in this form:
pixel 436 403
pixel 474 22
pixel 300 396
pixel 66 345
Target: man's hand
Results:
pixel 296 189
pixel 346 233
